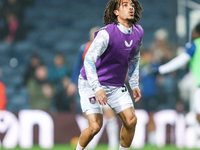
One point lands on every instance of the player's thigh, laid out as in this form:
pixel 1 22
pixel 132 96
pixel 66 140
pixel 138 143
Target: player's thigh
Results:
pixel 89 103
pixel 108 112
pixel 120 99
pixel 128 116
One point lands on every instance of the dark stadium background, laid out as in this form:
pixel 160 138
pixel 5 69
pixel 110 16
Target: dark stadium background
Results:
pixel 61 26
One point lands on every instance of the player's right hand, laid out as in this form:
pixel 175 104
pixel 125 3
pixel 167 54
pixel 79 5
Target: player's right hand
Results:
pixel 101 97
pixel 137 94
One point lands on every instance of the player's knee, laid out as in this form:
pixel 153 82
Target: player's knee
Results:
pixel 95 128
pixel 131 123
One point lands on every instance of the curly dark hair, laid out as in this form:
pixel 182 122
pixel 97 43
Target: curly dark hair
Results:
pixel 109 16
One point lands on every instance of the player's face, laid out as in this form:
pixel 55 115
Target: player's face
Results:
pixel 125 12
pixel 195 35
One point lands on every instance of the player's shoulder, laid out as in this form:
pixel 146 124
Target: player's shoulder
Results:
pixel 102 32
pixel 190 48
pixel 107 27
pixel 139 30
pixel 138 27
pixel 190 45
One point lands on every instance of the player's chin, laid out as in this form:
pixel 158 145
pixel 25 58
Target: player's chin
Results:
pixel 130 19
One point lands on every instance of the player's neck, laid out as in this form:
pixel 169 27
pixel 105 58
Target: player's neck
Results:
pixel 125 23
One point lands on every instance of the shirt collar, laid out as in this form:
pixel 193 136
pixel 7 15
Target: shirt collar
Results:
pixel 124 29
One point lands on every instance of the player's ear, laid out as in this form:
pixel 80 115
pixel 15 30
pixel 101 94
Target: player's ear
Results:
pixel 116 12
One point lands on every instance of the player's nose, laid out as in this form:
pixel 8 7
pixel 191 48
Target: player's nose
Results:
pixel 131 7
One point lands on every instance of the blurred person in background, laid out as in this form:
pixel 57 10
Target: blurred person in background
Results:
pixel 3 97
pixel 114 52
pixel 149 100
pixel 161 49
pixel 162 52
pixel 191 55
pixel 34 62
pixel 14 6
pixel 112 124
pixel 148 79
pixel 40 91
pixel 187 87
pixel 11 17
pixel 10 31
pixel 59 76
pixel 167 89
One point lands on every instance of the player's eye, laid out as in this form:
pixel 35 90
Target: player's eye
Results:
pixel 124 5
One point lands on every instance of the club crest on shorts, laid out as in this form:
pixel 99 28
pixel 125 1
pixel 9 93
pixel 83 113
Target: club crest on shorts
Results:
pixel 92 100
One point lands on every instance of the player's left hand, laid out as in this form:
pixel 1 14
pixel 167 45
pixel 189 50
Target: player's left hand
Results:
pixel 137 94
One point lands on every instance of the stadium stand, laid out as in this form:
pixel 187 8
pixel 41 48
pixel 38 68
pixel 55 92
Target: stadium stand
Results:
pixel 62 26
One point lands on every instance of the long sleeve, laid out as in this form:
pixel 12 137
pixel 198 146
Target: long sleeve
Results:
pixel 97 48
pixel 175 63
pixel 77 66
pixel 133 69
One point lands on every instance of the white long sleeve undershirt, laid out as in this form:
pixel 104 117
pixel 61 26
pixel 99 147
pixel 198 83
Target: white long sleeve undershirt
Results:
pixel 175 63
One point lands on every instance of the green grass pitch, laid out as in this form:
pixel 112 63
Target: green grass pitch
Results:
pixel 100 147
